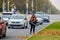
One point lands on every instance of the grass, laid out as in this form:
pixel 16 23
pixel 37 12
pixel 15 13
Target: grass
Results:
pixel 51 32
pixel 45 38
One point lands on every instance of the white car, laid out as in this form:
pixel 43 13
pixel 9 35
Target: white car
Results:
pixel 17 21
pixel 39 19
pixel 44 16
pixel 6 16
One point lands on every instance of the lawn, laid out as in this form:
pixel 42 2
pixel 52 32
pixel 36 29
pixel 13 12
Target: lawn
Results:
pixel 51 32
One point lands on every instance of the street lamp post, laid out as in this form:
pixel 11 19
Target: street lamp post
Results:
pixel 32 5
pixel 26 9
pixel 4 6
pixel 8 5
pixel 26 6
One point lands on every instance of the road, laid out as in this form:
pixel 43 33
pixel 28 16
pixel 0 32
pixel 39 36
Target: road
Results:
pixel 12 34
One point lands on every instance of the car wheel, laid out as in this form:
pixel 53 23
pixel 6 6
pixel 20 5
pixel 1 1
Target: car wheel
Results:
pixel 41 23
pixel 6 24
pixel 23 27
pixel 26 27
pixel 48 21
pixel 8 27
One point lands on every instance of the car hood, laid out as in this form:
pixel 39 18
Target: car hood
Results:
pixel 16 20
pixel 45 17
pixel 6 19
pixel 39 19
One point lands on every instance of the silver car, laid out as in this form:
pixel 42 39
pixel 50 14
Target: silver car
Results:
pixel 17 21
pixel 44 16
pixel 6 16
pixel 40 19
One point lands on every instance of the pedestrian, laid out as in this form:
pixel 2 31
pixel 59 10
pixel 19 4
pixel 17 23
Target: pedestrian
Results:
pixel 32 22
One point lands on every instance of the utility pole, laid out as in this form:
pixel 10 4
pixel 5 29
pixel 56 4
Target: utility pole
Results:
pixel 8 6
pixel 46 6
pixel 26 9
pixel 26 6
pixel 4 6
pixel 32 4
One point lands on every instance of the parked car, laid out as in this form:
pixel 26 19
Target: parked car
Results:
pixel 40 20
pixel 6 16
pixel 2 28
pixel 44 16
pixel 17 21
pixel 41 13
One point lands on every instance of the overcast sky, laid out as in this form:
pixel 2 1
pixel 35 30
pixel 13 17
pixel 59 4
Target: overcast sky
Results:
pixel 56 3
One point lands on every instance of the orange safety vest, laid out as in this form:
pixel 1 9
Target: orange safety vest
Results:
pixel 35 19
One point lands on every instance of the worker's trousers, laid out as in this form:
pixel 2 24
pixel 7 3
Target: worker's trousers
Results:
pixel 32 29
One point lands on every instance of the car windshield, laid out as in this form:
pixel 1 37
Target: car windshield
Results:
pixel 7 13
pixel 39 16
pixel 39 13
pixel 17 17
pixel 6 16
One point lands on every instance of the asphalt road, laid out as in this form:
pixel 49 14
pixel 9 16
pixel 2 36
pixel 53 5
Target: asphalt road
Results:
pixel 12 34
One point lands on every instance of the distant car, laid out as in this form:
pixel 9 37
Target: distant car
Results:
pixel 2 28
pixel 6 16
pixel 40 20
pixel 17 21
pixel 41 13
pixel 44 16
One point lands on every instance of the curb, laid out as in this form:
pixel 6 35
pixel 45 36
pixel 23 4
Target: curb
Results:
pixel 39 31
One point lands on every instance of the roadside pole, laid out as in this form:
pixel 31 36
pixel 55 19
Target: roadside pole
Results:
pixel 32 5
pixel 4 6
pixel 8 6
pixel 26 8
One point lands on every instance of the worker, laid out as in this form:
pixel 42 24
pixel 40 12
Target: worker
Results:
pixel 32 22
